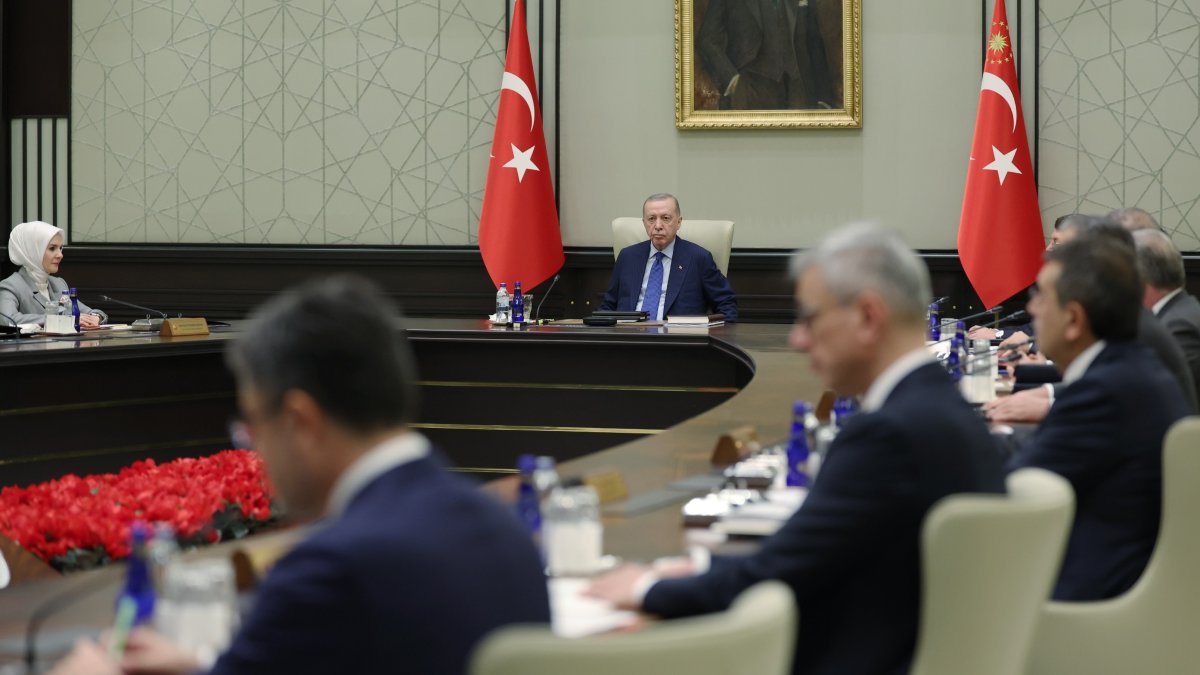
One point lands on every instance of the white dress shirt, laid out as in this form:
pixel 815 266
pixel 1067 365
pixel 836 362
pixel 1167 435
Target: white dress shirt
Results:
pixel 1162 302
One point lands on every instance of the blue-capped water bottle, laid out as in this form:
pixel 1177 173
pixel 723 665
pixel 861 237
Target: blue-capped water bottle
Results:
pixel 954 360
pixel 135 602
pixel 797 449
pixel 935 322
pixel 75 308
pixel 518 304
pixel 528 506
pixel 503 303
pixel 960 332
pixel 843 408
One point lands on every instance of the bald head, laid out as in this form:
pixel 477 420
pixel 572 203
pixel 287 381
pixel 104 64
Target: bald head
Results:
pixel 1134 219
pixel 1159 262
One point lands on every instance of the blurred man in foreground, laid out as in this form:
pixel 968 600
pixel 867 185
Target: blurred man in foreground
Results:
pixel 411 566
pixel 851 553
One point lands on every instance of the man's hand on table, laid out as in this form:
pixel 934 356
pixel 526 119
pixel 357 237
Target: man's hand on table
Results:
pixel 146 653
pixel 982 333
pixel 1018 340
pixel 619 586
pixel 1030 405
pixel 625 586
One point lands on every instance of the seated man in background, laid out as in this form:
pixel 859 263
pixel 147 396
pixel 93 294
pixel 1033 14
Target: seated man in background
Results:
pixel 412 565
pixel 851 554
pixel 1021 336
pixel 667 275
pixel 1031 405
pixel 1161 267
pixel 1105 430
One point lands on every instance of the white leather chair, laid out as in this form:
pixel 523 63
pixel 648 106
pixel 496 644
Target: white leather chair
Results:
pixel 756 635
pixel 1153 628
pixel 714 235
pixel 988 564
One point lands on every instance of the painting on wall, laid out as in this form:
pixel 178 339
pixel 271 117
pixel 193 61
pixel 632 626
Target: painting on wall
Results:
pixel 745 64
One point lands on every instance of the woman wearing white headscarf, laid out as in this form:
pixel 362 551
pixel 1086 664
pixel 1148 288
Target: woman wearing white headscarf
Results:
pixel 27 293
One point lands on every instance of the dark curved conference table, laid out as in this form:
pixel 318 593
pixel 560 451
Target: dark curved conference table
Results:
pixel 648 402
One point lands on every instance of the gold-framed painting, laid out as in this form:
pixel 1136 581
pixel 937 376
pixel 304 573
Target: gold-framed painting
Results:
pixel 768 64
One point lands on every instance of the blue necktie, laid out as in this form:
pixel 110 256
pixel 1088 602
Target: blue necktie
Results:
pixel 654 287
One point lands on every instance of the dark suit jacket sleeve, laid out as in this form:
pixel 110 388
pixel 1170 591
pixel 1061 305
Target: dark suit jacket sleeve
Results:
pixel 714 44
pixel 1069 441
pixel 303 621
pixel 717 290
pixel 850 512
pixel 612 295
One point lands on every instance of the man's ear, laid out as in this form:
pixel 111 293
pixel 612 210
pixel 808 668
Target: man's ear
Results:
pixel 1078 326
pixel 872 313
pixel 305 420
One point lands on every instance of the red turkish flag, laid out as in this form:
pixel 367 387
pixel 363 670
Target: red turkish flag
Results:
pixel 518 228
pixel 1000 240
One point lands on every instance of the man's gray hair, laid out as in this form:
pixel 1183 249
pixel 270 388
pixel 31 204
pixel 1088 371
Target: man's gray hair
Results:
pixel 865 256
pixel 1158 261
pixel 1134 219
pixel 659 196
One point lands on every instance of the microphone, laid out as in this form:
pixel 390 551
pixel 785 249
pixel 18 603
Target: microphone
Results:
pixel 10 331
pixel 146 324
pixel 938 301
pixel 1019 314
pixel 976 315
pixel 538 310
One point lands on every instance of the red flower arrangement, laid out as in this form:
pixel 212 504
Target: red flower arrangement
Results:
pixel 77 523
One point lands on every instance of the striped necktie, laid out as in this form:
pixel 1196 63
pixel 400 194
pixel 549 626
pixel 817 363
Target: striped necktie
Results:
pixel 654 287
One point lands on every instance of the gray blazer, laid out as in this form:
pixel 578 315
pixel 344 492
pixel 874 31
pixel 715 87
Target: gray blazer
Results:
pixel 1181 316
pixel 20 302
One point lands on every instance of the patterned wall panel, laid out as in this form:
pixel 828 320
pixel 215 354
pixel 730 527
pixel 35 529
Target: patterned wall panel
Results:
pixel 1120 110
pixel 298 122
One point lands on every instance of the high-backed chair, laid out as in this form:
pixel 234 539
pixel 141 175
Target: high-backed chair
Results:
pixel 1154 627
pixel 988 564
pixel 714 235
pixel 755 635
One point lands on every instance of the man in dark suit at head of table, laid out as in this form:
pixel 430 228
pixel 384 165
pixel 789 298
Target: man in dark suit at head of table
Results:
pixel 667 275
pixel 410 566
pixel 1105 430
pixel 851 552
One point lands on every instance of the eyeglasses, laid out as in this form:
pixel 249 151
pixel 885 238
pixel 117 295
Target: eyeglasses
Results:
pixel 807 316
pixel 240 434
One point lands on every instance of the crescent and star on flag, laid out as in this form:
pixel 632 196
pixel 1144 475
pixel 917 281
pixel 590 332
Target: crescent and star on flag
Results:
pixel 522 160
pixel 999 52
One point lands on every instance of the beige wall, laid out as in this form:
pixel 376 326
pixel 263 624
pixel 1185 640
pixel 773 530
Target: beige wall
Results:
pixel 921 68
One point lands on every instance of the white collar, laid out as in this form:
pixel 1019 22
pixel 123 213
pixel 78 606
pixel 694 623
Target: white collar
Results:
pixel 400 449
pixel 901 368
pixel 1162 302
pixel 668 251
pixel 1082 362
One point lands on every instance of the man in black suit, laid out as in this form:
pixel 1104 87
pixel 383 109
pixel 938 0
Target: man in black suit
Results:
pixel 1104 432
pixel 1161 267
pixel 666 275
pixel 851 553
